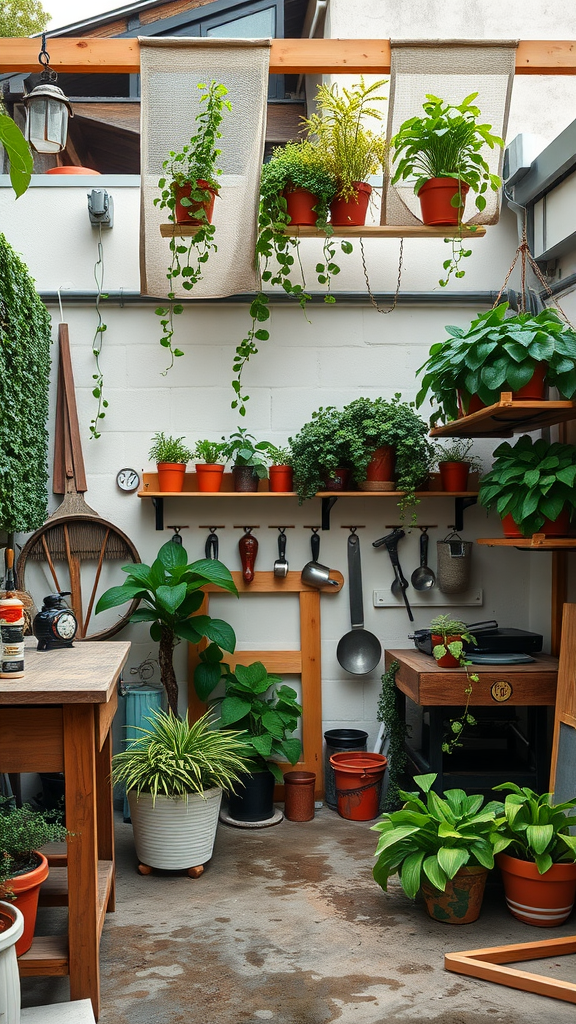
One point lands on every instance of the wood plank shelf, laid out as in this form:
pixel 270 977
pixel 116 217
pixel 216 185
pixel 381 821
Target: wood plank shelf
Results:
pixel 508 417
pixel 363 231
pixel 537 542
pixel 47 956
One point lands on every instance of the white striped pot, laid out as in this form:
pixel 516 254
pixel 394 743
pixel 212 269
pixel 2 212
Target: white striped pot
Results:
pixel 543 900
pixel 9 977
pixel 174 832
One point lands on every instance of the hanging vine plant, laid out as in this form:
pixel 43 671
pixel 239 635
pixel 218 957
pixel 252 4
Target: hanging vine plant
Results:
pixel 24 382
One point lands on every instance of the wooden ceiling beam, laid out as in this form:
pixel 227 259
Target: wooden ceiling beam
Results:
pixel 288 56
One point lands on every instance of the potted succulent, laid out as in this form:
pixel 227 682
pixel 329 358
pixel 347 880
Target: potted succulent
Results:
pixel 249 459
pixel 209 468
pixel 496 353
pixel 170 591
pixel 23 867
pixel 171 457
pixel 351 151
pixel 455 463
pixel 449 637
pixel 174 775
pixel 441 846
pixel 531 486
pixel 536 855
pixel 266 712
pixel 280 471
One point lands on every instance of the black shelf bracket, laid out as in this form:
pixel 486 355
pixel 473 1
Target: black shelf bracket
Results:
pixel 159 508
pixel 327 506
pixel 460 506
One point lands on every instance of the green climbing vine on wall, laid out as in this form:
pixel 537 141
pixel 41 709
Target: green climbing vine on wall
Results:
pixel 396 731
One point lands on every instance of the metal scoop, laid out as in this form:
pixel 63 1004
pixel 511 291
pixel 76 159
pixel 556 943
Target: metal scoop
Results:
pixel 359 651
pixel 423 578
pixel 281 565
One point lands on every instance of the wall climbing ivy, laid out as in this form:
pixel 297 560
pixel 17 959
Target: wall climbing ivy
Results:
pixel 24 380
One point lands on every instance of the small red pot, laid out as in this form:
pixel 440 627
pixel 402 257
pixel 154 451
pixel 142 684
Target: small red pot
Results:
pixel 299 796
pixel 301 203
pixel 209 476
pixel 454 475
pixel 185 214
pixel 542 900
pixel 26 889
pixel 382 464
pixel 436 197
pixel 171 476
pixel 351 212
pixel 447 660
pixel 281 478
pixel 338 482
pixel 559 527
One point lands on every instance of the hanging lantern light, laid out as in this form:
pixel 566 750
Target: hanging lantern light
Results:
pixel 47 110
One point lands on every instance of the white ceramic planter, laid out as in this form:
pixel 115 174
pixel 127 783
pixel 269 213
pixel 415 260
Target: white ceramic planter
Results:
pixel 9 977
pixel 175 833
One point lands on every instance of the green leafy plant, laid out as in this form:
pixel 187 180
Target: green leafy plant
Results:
pixel 320 447
pixel 175 757
pixel 532 481
pixel 265 722
pixel 396 732
pixel 455 634
pixel 535 829
pixel 18 152
pixel 168 449
pixel 24 382
pixel 211 452
pixel 433 839
pixel 279 456
pixel 242 449
pixel 22 831
pixel 194 165
pixel 497 353
pixel 170 591
pixel 457 449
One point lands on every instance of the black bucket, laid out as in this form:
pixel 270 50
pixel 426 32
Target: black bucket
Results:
pixel 254 801
pixel 337 740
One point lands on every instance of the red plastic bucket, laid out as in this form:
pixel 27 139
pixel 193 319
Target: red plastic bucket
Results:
pixel 358 776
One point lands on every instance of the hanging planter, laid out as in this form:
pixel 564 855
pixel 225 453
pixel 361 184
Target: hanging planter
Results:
pixel 194 203
pixel 436 201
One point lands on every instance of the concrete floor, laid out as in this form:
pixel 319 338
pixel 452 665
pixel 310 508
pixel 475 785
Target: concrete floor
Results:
pixel 287 925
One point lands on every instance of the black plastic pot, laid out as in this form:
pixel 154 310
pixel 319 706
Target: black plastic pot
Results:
pixel 254 800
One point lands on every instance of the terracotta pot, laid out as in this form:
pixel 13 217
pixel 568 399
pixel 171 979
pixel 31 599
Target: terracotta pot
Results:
pixel 171 476
pixel 245 478
pixel 185 214
pixel 301 203
pixel 358 778
pixel 382 464
pixel 543 900
pixel 436 201
pixel 209 476
pixel 454 475
pixel 338 482
pixel 281 478
pixel 447 660
pixel 534 390
pixel 559 527
pixel 26 889
pixel 351 212
pixel 71 169
pixel 461 901
pixel 475 404
pixel 299 796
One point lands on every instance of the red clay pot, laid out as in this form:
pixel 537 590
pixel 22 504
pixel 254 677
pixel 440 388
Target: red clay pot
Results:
pixel 351 212
pixel 185 214
pixel 454 475
pixel 542 900
pixel 559 527
pixel 534 390
pixel 301 203
pixel 358 777
pixel 281 478
pixel 447 660
pixel 436 201
pixel 26 889
pixel 382 464
pixel 171 476
pixel 209 476
pixel 338 482
pixel 461 901
pixel 71 169
pixel 299 795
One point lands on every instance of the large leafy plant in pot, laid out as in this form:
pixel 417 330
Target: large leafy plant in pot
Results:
pixel 441 846
pixel 531 486
pixel 171 592
pixel 319 449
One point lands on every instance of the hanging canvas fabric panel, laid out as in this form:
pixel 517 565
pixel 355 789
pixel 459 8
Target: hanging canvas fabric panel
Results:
pixel 451 70
pixel 172 69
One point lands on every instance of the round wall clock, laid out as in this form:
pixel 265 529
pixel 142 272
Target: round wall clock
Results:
pixel 128 480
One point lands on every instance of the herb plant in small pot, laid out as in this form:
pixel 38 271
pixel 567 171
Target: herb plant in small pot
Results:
pixel 210 468
pixel 296 187
pixel 171 457
pixel 280 472
pixel 441 846
pixel 455 463
pixel 174 775
pixel 537 855
pixel 531 486
pixel 448 639
pixel 266 724
pixel 249 459
pixel 22 867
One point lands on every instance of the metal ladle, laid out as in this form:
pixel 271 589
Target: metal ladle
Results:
pixel 423 578
pixel 359 651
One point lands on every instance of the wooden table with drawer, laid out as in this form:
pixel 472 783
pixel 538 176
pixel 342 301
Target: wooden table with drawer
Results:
pixel 57 718
pixel 532 686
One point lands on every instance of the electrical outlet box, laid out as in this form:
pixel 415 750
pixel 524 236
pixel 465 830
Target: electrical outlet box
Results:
pixel 428 599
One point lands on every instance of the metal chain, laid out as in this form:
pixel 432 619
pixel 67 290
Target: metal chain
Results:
pixel 367 279
pixel 523 251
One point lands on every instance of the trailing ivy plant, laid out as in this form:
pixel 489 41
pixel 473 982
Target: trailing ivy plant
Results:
pixel 24 382
pixel 396 731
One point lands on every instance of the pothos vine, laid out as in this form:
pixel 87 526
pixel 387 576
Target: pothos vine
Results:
pixel 396 731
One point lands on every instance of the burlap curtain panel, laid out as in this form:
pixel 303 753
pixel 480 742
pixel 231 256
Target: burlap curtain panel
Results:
pixel 451 69
pixel 171 69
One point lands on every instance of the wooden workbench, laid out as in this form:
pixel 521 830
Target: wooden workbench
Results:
pixel 58 718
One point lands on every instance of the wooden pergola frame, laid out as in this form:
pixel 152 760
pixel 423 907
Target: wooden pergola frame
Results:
pixel 85 55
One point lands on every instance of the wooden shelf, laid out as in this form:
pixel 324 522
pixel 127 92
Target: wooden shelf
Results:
pixel 47 956
pixel 537 542
pixel 508 417
pixel 150 490
pixel 365 231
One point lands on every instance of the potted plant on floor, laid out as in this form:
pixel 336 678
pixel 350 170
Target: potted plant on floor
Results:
pixel 497 352
pixel 171 457
pixel 449 637
pixel 531 486
pixel 174 775
pixel 249 459
pixel 441 846
pixel 267 714
pixel 537 855
pixel 23 867
pixel 280 472
pixel 455 463
pixel 170 592
pixel 209 468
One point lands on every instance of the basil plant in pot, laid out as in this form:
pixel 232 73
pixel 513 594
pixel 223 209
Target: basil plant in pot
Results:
pixel 531 486
pixel 170 591
pixel 441 846
pixel 249 459
pixel 267 713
